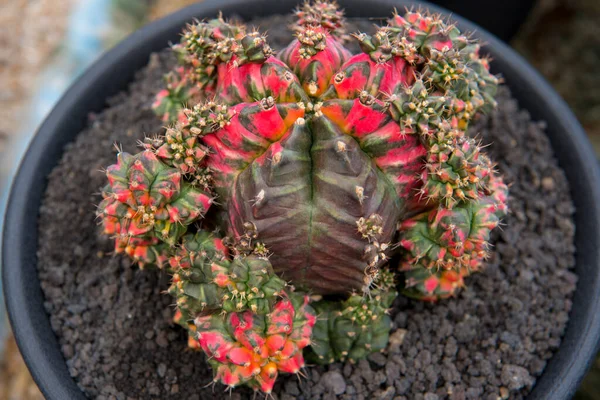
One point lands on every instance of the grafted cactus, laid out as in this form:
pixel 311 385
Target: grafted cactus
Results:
pixel 324 165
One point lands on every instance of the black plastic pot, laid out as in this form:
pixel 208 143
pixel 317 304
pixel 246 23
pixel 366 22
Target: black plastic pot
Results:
pixel 115 70
pixel 502 18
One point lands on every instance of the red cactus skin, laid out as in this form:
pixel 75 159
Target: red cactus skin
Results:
pixel 244 83
pixel 147 206
pixel 254 128
pixel 314 57
pixel 426 285
pixel 363 74
pixel 249 348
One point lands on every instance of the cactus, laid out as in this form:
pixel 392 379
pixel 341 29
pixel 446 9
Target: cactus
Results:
pixel 179 90
pixel 352 329
pixel 252 348
pixel 354 171
pixel 205 280
pixel 148 206
pixel 249 322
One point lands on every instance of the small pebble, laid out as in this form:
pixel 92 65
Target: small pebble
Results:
pixel 334 382
pixel 515 377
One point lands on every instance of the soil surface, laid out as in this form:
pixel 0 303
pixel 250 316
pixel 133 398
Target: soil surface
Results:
pixel 114 324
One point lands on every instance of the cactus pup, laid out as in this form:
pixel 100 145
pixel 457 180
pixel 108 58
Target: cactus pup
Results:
pixel 293 195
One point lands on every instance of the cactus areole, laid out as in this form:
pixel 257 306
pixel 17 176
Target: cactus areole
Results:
pixel 302 173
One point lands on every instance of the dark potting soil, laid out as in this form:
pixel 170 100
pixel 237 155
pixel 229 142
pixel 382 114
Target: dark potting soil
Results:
pixel 114 322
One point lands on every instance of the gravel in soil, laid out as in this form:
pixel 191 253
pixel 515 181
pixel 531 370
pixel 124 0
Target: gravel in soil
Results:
pixel 114 323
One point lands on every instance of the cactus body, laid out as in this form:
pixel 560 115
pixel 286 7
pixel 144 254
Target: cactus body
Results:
pixel 322 166
pixel 356 327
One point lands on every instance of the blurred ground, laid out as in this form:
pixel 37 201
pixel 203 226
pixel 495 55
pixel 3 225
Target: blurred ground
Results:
pixel 561 39
pixel 24 47
pixel 15 381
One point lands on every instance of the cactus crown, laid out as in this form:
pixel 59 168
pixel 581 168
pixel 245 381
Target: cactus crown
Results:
pixel 319 166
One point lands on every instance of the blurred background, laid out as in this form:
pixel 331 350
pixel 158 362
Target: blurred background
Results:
pixel 46 44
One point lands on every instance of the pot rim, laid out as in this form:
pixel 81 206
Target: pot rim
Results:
pixel 114 70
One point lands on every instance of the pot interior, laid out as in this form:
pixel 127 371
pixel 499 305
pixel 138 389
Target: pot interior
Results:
pixel 113 72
